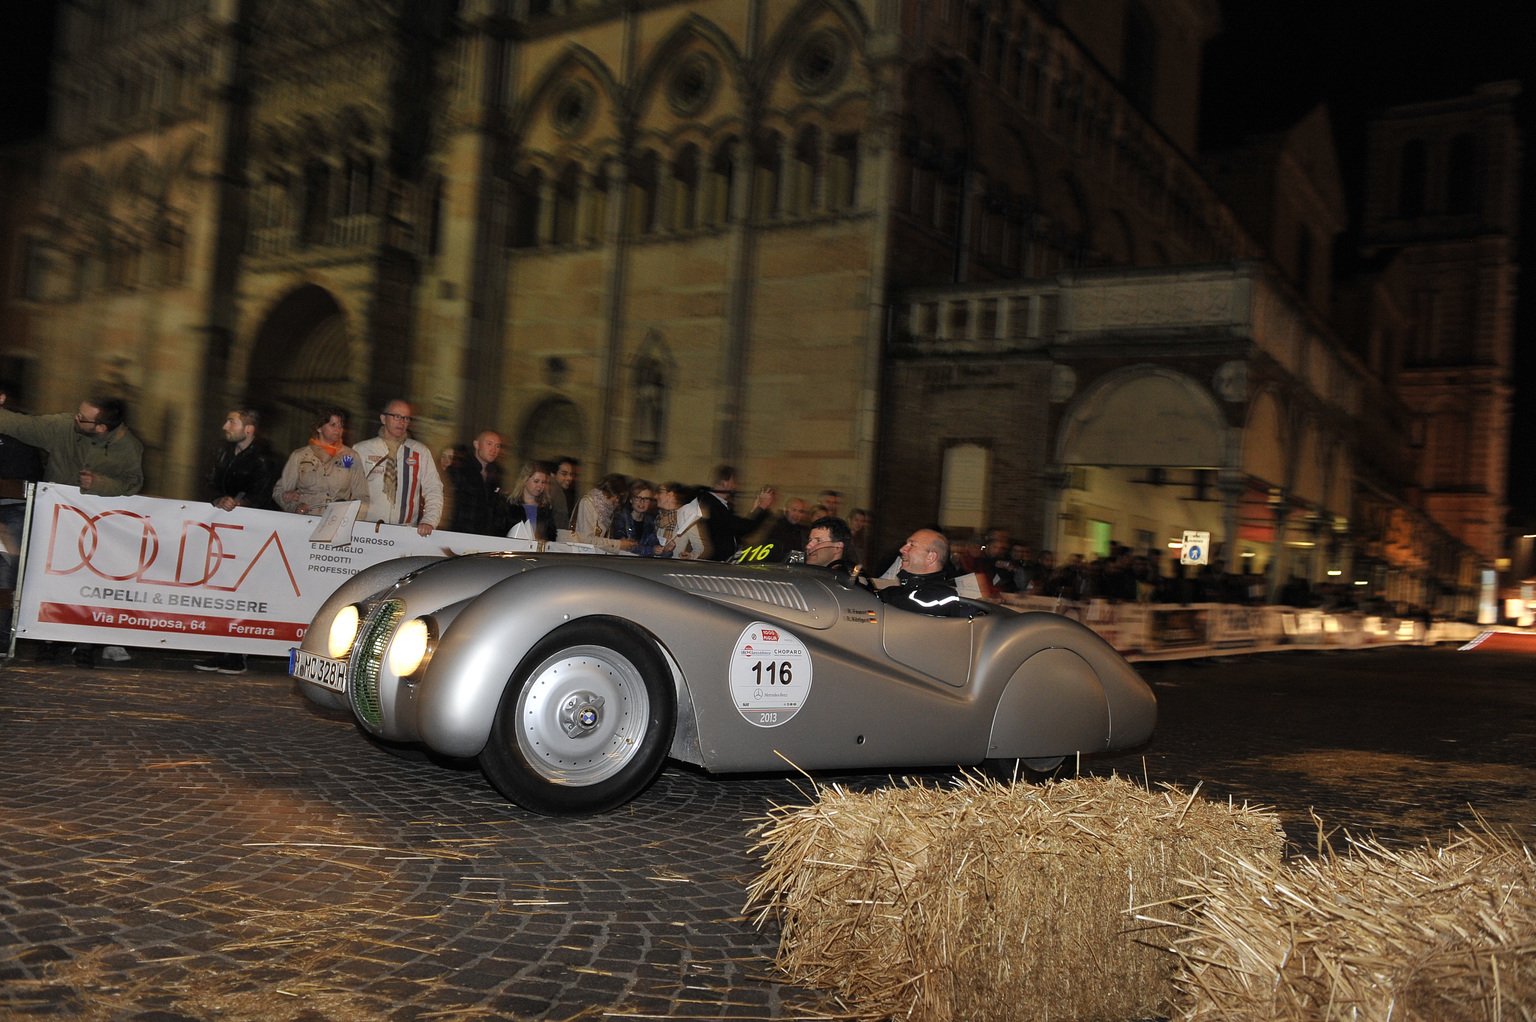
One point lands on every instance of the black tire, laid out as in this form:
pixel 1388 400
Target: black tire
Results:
pixel 586 721
pixel 1026 771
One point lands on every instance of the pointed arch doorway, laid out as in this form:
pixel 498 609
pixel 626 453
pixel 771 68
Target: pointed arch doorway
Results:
pixel 302 362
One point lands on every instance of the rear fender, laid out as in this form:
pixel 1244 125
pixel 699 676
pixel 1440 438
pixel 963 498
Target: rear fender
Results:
pixel 1070 692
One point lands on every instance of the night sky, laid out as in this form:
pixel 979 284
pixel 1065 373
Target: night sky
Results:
pixel 1274 60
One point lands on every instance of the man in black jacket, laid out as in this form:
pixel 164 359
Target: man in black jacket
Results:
pixel 724 528
pixel 479 505
pixel 924 584
pixel 244 473
pixel 244 470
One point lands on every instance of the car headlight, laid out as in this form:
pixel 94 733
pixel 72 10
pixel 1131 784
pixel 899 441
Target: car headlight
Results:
pixel 343 632
pixel 410 647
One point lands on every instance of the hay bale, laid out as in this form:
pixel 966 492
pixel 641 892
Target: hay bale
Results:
pixel 987 901
pixel 1425 935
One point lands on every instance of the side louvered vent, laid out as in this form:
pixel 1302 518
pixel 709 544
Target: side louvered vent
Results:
pixel 777 594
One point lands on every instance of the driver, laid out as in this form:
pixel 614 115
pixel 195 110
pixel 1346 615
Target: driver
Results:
pixel 922 586
pixel 829 544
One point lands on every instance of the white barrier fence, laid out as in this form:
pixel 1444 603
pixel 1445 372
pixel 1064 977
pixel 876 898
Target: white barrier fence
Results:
pixel 1162 632
pixel 144 571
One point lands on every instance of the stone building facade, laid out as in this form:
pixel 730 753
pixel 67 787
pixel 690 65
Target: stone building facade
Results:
pixel 957 259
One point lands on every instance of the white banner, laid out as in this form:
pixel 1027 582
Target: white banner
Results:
pixel 142 571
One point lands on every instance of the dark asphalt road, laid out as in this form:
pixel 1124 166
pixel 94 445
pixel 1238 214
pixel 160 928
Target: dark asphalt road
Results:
pixel 179 845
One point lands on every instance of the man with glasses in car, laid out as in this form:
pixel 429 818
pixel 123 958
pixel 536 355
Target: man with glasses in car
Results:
pixel 403 485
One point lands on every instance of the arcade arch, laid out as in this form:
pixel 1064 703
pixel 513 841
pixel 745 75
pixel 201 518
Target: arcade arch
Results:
pixel 1143 451
pixel 301 361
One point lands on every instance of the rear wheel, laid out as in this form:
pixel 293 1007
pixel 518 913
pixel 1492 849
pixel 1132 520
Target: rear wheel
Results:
pixel 1029 771
pixel 585 722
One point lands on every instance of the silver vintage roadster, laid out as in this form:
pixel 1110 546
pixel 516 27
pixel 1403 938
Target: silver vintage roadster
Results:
pixel 572 678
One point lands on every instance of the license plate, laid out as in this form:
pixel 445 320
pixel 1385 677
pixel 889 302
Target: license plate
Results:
pixel 322 670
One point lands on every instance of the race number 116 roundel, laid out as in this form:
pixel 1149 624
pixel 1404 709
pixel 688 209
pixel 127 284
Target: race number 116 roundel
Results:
pixel 770 674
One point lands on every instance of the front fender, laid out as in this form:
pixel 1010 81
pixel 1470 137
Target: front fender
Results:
pixel 484 644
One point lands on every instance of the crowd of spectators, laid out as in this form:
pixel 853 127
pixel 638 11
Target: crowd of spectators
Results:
pixel 395 479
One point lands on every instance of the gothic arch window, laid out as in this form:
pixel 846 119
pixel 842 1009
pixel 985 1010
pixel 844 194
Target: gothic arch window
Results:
pixel 1304 260
pixel 685 188
pixel 769 165
pixel 843 173
pixel 722 183
pixel 523 225
pixel 567 188
pixel 554 428
pixel 652 382
pixel 316 203
pixel 597 206
pixel 1138 71
pixel 642 194
pixel 804 172
pixel 1411 179
pixel 435 223
pixel 1461 176
pixel 358 200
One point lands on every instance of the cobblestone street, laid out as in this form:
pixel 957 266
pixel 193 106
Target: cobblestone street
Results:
pixel 180 845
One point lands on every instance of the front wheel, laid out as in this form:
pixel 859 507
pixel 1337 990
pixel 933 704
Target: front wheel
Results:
pixel 585 722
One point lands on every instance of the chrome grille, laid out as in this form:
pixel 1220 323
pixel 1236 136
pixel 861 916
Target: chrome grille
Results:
pixel 368 655
pixel 776 594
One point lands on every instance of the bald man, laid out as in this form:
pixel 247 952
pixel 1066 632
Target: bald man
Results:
pixel 922 585
pixel 479 505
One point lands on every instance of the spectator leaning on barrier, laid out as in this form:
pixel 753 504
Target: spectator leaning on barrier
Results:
pixel 689 544
pixel 594 515
pixel 403 485
pixel 530 500
pixel 323 471
pixel 479 504
pixel 91 449
pixel 244 468
pixel 20 464
pixel 635 519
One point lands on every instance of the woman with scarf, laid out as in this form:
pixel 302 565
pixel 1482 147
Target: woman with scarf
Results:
pixel 593 522
pixel 688 544
pixel 323 471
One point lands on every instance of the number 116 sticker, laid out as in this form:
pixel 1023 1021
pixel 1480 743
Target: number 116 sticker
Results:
pixel 770 674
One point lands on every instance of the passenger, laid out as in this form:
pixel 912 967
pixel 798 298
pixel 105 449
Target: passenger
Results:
pixel 688 545
pixel 593 521
pixel 324 471
pixel 830 543
pixel 530 500
pixel 923 586
pixel 636 520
